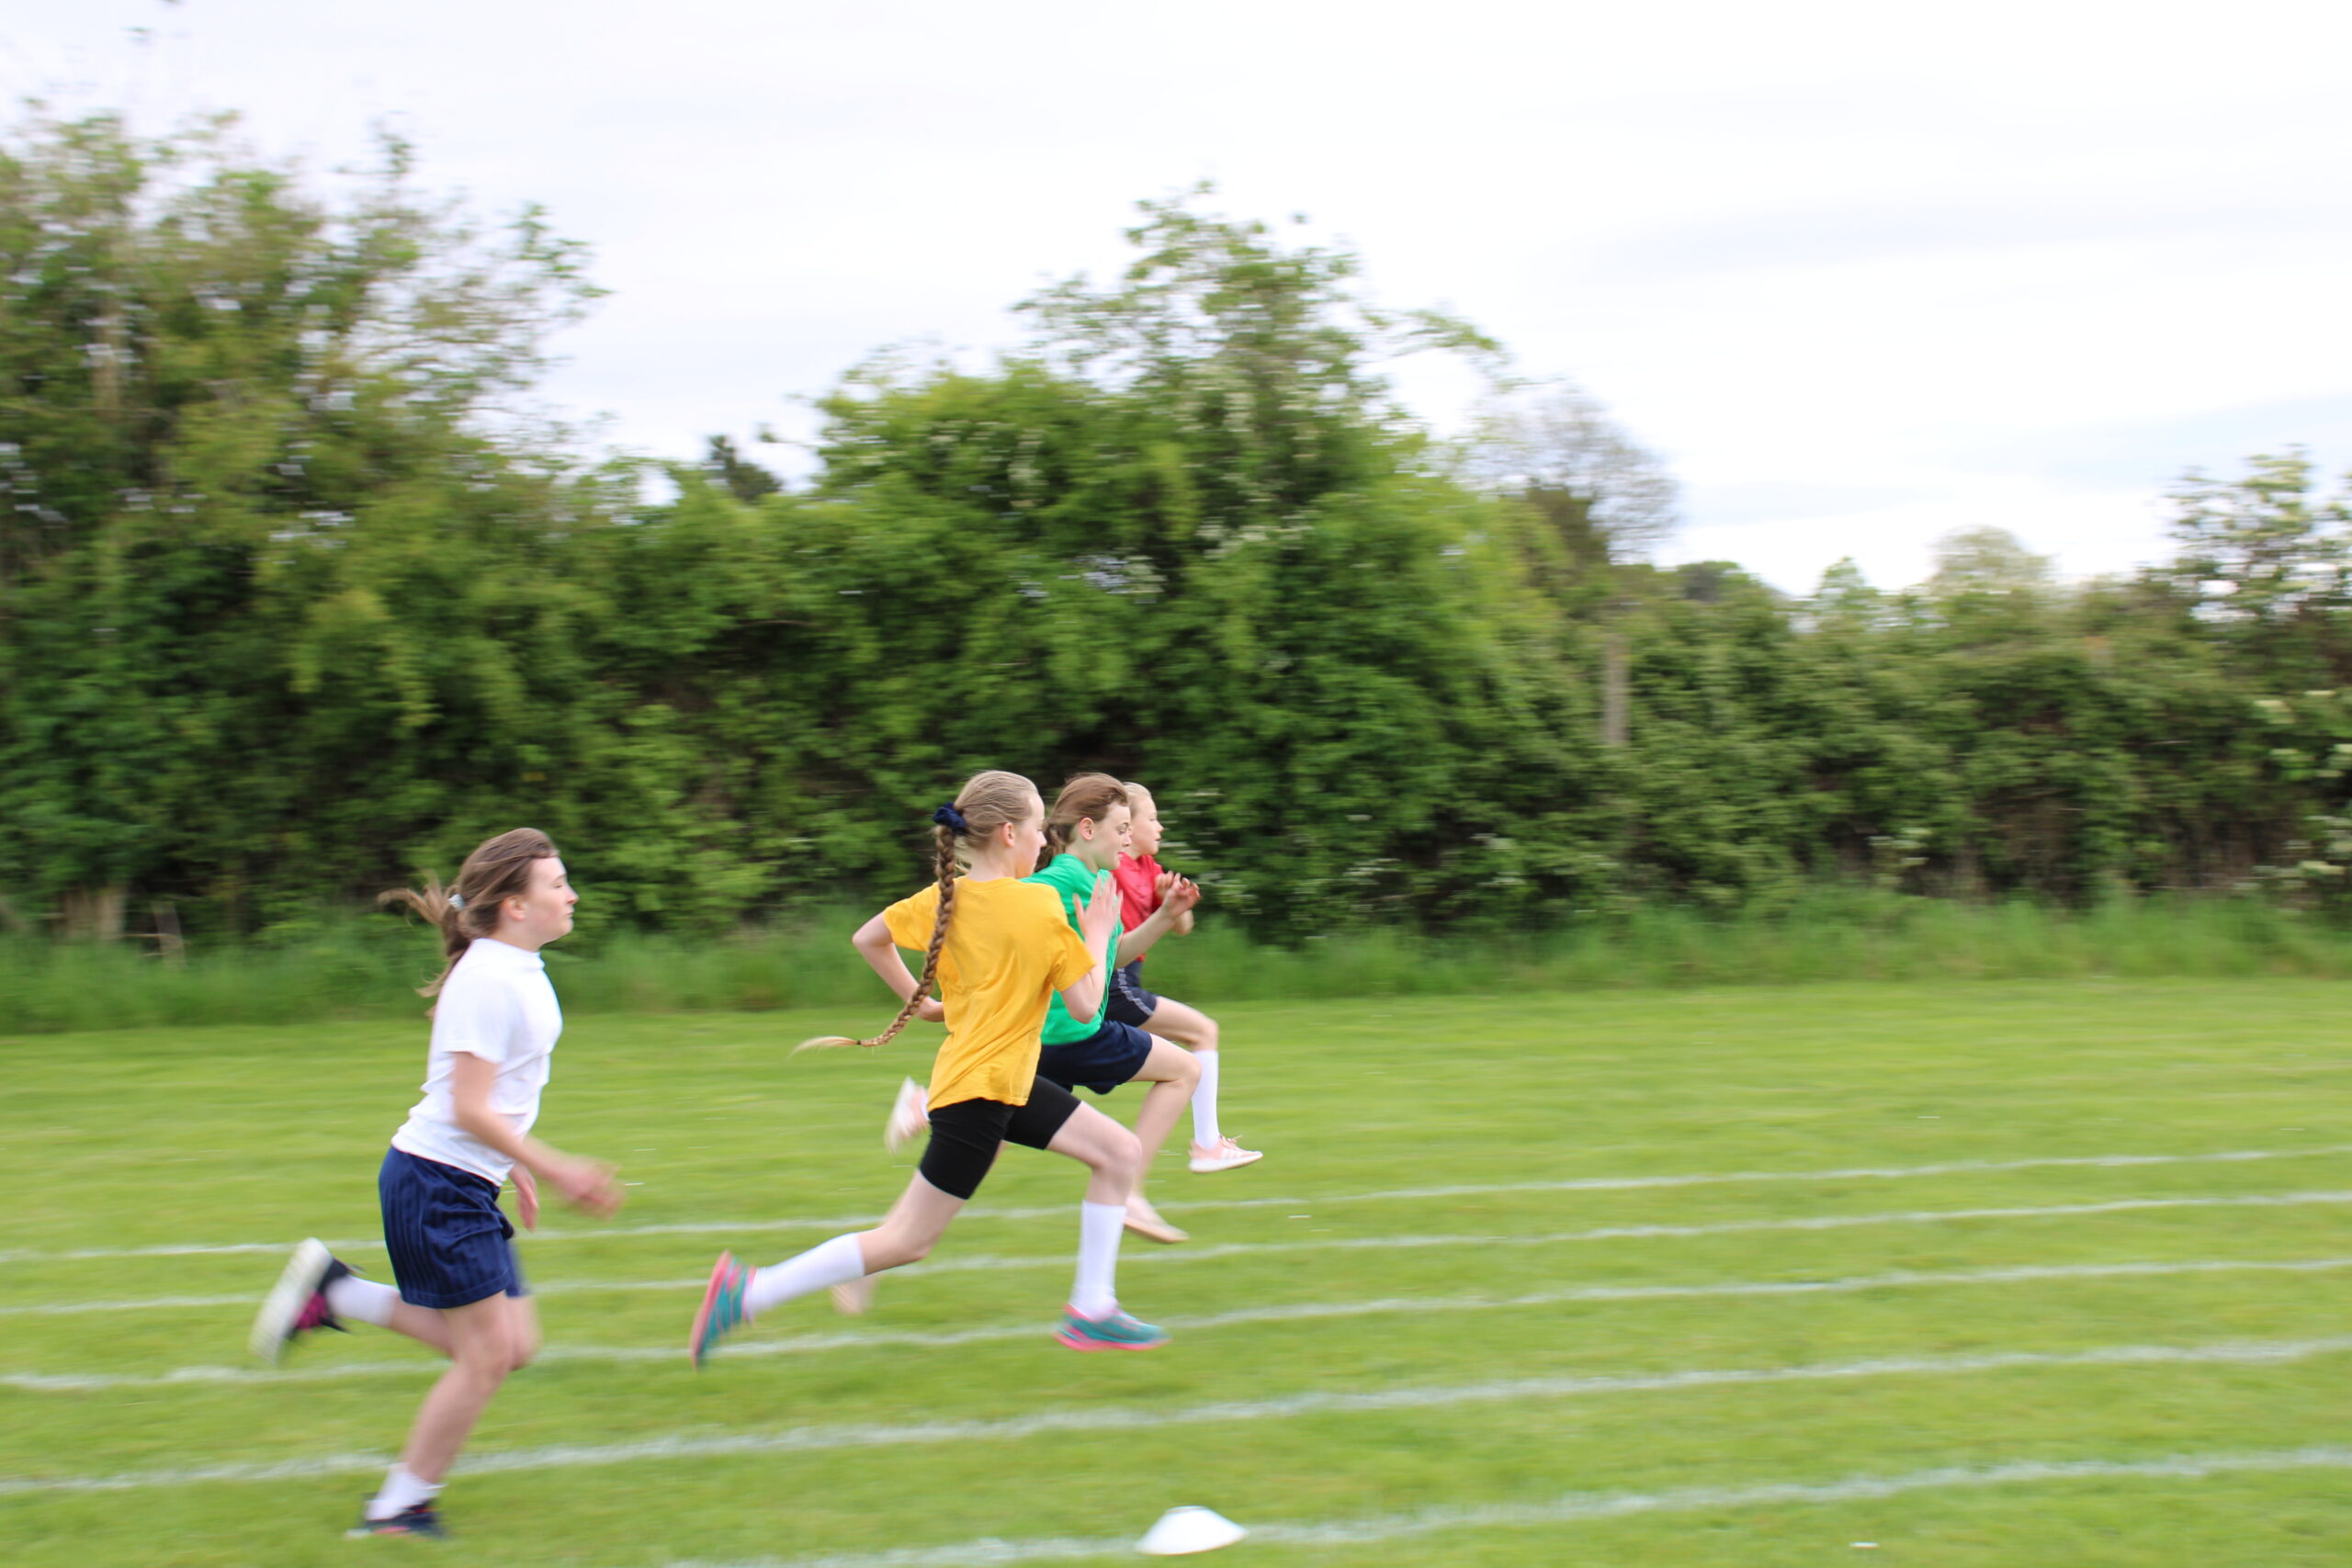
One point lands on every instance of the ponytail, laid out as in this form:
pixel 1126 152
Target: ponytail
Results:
pixel 987 802
pixel 499 869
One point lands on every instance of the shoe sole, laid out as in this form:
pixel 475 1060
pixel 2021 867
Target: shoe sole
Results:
pixel 1163 1232
pixel 1210 1167
pixel 702 1313
pixel 295 1285
pixel 1080 1342
pixel 364 1532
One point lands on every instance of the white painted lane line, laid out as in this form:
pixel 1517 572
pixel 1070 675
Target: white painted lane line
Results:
pixel 814 1343
pixel 989 1263
pixel 1577 1507
pixel 703 1443
pixel 1062 1210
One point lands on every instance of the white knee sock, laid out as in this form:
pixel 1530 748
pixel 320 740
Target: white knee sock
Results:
pixel 1205 1127
pixel 402 1491
pixel 363 1301
pixel 834 1262
pixel 1095 1293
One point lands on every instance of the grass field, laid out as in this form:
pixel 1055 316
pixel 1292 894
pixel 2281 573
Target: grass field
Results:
pixel 2032 1273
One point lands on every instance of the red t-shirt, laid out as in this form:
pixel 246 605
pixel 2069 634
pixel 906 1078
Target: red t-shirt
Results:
pixel 1138 879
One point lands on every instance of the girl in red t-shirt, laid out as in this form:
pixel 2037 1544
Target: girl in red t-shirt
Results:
pixel 1142 884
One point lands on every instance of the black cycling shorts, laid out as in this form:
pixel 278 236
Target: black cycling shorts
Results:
pixel 966 1135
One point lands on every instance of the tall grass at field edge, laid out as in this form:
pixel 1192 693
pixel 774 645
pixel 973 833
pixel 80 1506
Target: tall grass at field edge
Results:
pixel 361 966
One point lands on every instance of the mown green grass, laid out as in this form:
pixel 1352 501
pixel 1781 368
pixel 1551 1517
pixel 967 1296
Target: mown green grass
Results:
pixel 221 1136
pixel 342 966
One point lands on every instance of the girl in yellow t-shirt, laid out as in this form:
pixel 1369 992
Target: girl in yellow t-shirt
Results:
pixel 997 948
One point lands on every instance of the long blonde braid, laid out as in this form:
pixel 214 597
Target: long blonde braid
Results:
pixel 987 802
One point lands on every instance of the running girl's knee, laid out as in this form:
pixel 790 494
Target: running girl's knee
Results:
pixel 1119 1154
pixel 1208 1034
pixel 485 1358
pixel 1188 1071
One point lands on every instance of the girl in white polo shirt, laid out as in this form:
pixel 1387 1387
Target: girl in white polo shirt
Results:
pixel 461 1291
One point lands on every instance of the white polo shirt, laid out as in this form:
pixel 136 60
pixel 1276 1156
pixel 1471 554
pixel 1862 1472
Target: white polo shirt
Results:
pixel 497 1005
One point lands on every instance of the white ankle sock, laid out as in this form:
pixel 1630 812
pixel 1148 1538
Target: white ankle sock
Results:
pixel 1098 1226
pixel 402 1491
pixel 363 1301
pixel 1205 1127
pixel 834 1262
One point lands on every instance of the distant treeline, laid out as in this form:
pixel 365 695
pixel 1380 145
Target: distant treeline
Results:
pixel 300 599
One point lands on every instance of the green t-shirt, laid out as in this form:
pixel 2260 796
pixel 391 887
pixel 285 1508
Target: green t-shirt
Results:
pixel 1068 876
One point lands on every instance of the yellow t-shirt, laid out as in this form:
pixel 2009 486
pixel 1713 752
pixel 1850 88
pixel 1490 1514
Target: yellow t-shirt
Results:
pixel 1008 952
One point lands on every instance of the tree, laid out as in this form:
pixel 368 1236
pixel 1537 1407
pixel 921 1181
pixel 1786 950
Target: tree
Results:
pixel 738 476
pixel 1606 496
pixel 213 388
pixel 1986 560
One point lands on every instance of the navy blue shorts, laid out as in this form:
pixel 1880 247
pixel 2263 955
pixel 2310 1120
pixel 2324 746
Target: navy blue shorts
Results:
pixel 1130 1002
pixel 450 1245
pixel 1110 1056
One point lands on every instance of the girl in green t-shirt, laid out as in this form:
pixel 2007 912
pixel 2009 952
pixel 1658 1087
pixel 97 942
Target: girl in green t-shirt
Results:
pixel 1086 832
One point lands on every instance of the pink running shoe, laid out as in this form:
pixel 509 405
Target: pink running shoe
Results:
pixel 1144 1221
pixel 1226 1154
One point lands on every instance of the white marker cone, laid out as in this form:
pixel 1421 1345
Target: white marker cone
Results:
pixel 1182 1531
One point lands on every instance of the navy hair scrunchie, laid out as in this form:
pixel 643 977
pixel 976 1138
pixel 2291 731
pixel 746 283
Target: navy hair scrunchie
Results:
pixel 952 819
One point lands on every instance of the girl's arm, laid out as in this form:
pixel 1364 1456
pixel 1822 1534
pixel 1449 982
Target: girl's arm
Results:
pixel 1097 917
pixel 584 1183
pixel 1174 915
pixel 875 945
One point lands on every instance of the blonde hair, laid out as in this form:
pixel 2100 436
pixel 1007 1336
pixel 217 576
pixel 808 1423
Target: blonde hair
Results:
pixel 987 802
pixel 1088 797
pixel 498 870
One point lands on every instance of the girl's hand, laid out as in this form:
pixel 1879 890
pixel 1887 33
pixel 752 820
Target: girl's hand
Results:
pixel 1162 883
pixel 587 1184
pixel 1099 915
pixel 527 1197
pixel 931 1009
pixel 1180 894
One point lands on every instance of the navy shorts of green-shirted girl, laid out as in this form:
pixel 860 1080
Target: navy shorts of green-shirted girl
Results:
pixel 1103 1060
pixel 452 1244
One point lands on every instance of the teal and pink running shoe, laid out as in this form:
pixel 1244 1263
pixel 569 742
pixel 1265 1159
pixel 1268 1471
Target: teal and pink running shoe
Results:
pixel 1115 1330
pixel 722 1307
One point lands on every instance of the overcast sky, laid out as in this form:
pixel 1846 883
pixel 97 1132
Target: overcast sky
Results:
pixel 1861 273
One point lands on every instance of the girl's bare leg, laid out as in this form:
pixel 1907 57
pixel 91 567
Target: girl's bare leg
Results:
pixel 1173 1074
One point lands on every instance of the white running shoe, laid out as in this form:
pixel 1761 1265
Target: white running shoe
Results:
pixel 1144 1221
pixel 1226 1156
pixel 852 1299
pixel 909 1117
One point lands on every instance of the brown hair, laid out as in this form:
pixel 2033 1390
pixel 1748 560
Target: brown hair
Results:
pixel 1087 797
pixel 499 870
pixel 987 802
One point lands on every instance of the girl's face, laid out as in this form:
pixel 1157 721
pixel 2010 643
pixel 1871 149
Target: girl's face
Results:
pixel 1145 834
pixel 1027 838
pixel 1099 844
pixel 543 912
